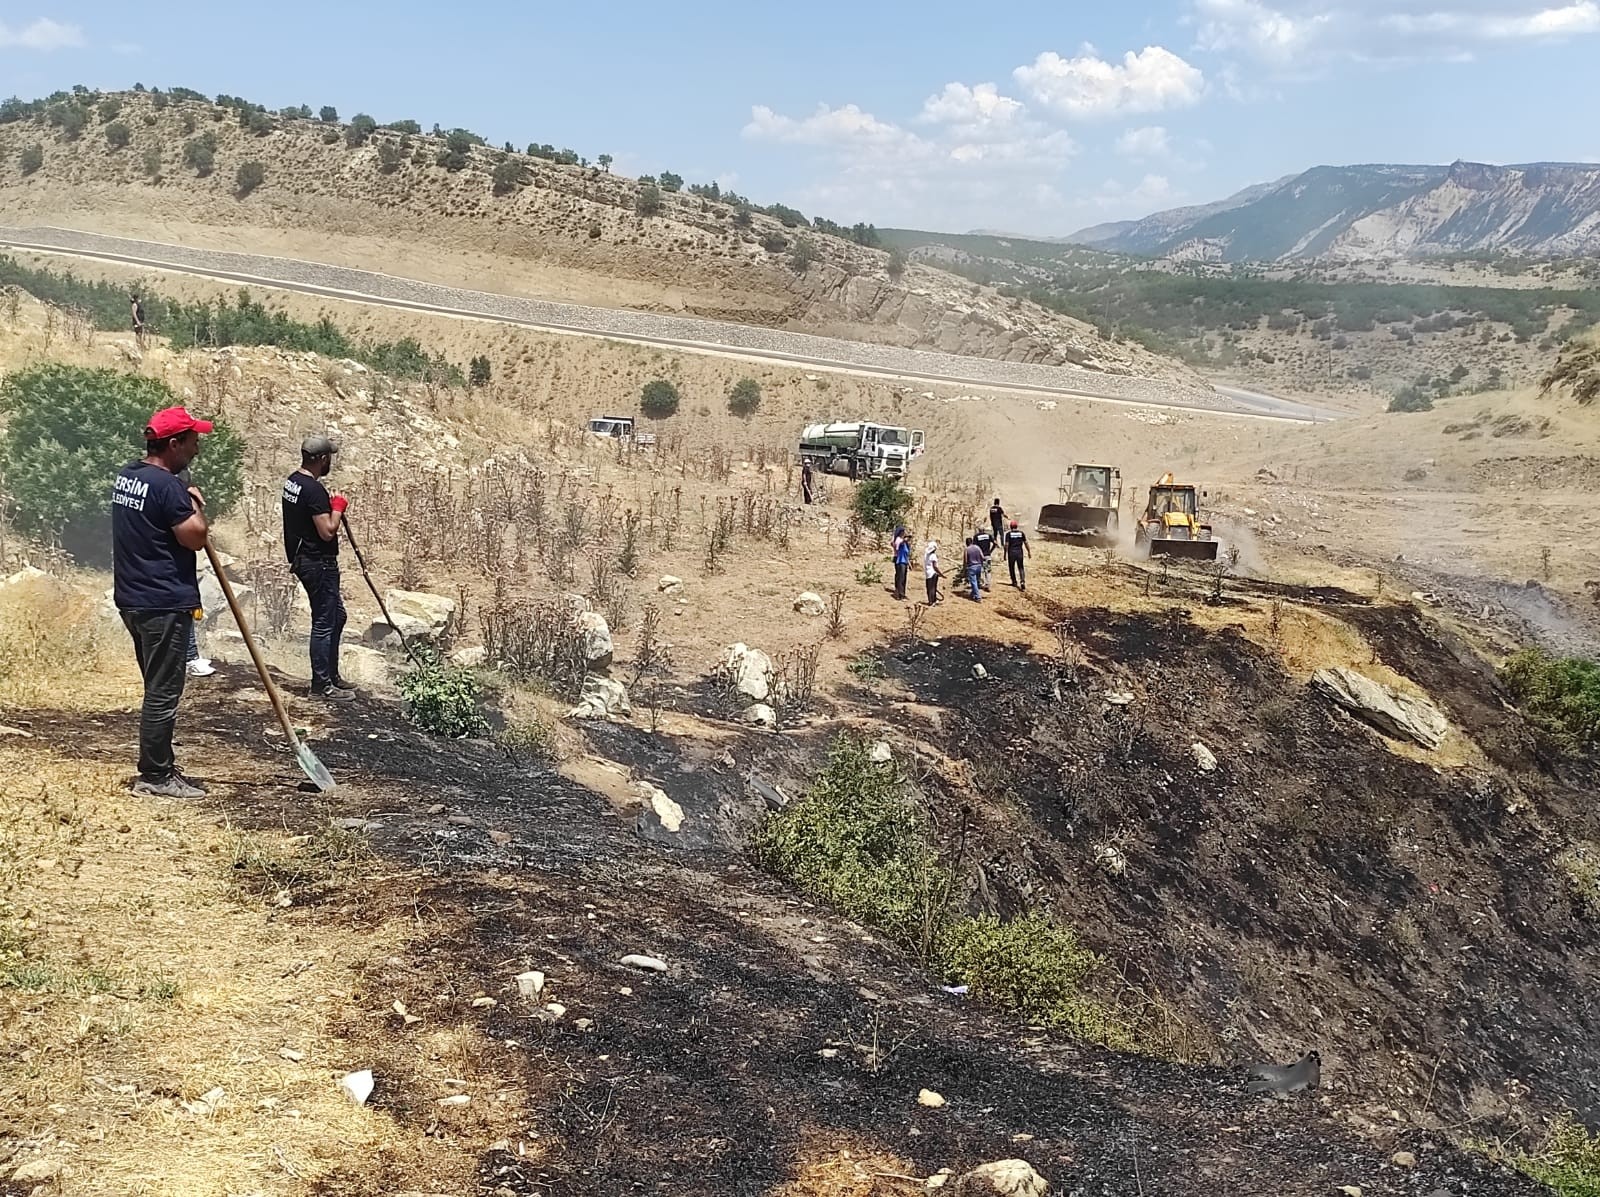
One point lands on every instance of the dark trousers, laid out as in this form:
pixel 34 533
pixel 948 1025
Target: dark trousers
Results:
pixel 320 577
pixel 933 591
pixel 900 572
pixel 160 644
pixel 1019 570
pixel 994 523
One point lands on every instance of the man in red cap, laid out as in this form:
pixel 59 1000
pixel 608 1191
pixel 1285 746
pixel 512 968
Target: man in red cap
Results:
pixel 158 525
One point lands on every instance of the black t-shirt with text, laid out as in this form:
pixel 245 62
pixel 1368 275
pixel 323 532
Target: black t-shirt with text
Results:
pixel 1015 538
pixel 985 541
pixel 304 497
pixel 152 571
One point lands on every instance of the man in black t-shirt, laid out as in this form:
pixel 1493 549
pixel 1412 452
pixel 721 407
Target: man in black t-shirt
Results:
pixel 311 519
pixel 985 540
pixel 1016 542
pixel 158 524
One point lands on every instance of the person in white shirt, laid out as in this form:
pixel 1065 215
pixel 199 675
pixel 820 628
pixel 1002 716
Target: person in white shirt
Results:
pixel 931 571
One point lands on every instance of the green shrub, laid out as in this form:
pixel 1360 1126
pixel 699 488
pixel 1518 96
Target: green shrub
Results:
pixel 361 127
pixel 1033 965
pixel 1568 1160
pixel 857 843
pixel 509 176
pixel 881 503
pixel 671 182
pixel 443 700
pixel 648 202
pixel 118 135
pixel 803 255
pixel 479 371
pixel 200 155
pixel 1560 694
pixel 870 574
pixel 150 161
pixel 259 123
pixel 31 158
pixel 534 741
pixel 659 399
pixel 390 157
pixel 745 397
pixel 898 260
pixel 1411 399
pixel 249 176
pixel 329 115
pixel 69 430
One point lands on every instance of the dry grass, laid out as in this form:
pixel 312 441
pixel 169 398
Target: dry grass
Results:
pixel 57 651
pixel 845 1166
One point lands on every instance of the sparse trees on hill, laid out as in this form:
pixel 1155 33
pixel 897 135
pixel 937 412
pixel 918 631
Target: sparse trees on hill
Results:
pixel 898 261
pixel 509 176
pixel 200 154
pixel 329 115
pixel 31 158
pixel 361 128
pixel 250 176
pixel 745 398
pixel 742 217
pixel 259 123
pixel 110 109
pixel 479 371
pixel 159 99
pixel 671 182
pixel 605 161
pixel 659 399
pixel 1411 399
pixel 118 135
pixel 648 202
pixel 70 118
pixel 390 156
pixel 408 128
pixel 151 162
pixel 803 254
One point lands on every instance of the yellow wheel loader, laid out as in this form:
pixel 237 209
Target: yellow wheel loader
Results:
pixel 1171 525
pixel 1091 499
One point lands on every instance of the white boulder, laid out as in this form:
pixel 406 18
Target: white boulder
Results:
pixel 365 667
pixel 1396 715
pixel 418 614
pixel 602 698
pixel 669 584
pixel 810 603
pixel 750 670
pixel 1004 1178
pixel 597 646
pixel 1205 760
pixel 759 714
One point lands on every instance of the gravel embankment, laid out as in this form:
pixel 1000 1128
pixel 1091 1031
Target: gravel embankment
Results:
pixel 647 327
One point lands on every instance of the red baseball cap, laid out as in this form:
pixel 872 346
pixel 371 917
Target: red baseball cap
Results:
pixel 174 421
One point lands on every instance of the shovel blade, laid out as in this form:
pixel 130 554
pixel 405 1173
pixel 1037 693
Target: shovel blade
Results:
pixel 312 767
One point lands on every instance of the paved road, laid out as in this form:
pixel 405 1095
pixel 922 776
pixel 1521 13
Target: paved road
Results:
pixel 683 333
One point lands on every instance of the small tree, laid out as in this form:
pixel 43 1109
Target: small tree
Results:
pixel 31 158
pixel 1411 399
pixel 200 156
pixel 881 503
pixel 659 399
pixel 329 115
pixel 118 135
pixel 605 161
pixel 250 176
pixel 72 119
pixel 110 109
pixel 803 254
pixel 898 261
pixel 479 372
pixel 361 128
pixel 745 398
pixel 390 156
pixel 151 161
pixel 649 201
pixel 259 123
pixel 509 175
pixel 670 181
pixel 741 216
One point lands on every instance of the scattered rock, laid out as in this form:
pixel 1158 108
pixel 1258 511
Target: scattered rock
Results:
pixel 751 672
pixel 648 964
pixel 1003 1178
pixel 484 1003
pixel 35 1171
pixel 602 698
pixel 289 1054
pixel 1350 1190
pixel 1205 760
pixel 26 574
pixel 418 614
pixel 207 1103
pixel 1283 1079
pixel 1119 698
pixel 927 1097
pixel 759 714
pixel 473 657
pixel 357 1086
pixel 810 603
pixel 669 585
pixel 979 672
pixel 668 811
pixel 882 754
pixel 530 984
pixel 366 667
pixel 1403 1159
pixel 456 1099
pixel 597 646
pixel 554 1012
pixel 583 1024
pixel 1111 859
pixel 212 601
pixel 1396 715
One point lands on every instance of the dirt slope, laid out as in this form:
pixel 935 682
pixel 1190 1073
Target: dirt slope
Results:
pixel 571 233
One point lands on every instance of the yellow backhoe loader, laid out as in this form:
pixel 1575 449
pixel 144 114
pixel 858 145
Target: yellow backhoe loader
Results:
pixel 1091 499
pixel 1171 525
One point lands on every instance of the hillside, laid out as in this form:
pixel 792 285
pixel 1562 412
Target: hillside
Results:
pixel 1359 213
pixel 447 209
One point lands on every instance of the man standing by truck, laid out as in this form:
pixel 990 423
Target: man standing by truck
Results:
pixel 311 519
pixel 1016 542
pixel 806 483
pixel 158 525
pixel 902 562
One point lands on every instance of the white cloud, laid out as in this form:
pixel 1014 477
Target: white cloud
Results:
pixel 1149 142
pixel 1088 86
pixel 42 34
pixel 981 104
pixel 1305 35
pixel 847 125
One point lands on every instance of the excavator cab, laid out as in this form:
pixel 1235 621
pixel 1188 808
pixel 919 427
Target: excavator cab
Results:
pixel 1171 525
pixel 1090 498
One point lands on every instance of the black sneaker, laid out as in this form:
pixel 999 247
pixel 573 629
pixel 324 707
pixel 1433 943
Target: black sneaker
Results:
pixel 176 786
pixel 341 684
pixel 334 694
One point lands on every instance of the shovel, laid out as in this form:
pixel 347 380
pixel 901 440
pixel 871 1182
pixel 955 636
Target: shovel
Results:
pixel 314 769
pixel 387 618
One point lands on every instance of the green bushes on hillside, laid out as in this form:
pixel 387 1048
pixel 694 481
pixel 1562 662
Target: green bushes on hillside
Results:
pixel 1560 694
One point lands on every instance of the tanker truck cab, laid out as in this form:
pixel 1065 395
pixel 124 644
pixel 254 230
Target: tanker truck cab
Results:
pixel 860 450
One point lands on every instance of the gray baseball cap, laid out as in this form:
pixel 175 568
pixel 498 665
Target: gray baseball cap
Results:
pixel 317 446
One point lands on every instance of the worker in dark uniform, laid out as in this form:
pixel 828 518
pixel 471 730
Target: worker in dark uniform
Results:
pixel 1016 542
pixel 997 519
pixel 986 541
pixel 806 483
pixel 311 519
pixel 902 561
pixel 136 314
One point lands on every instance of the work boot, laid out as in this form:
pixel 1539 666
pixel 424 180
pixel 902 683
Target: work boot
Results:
pixel 334 694
pixel 341 684
pixel 175 786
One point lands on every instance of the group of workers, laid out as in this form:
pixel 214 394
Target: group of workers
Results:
pixel 976 561
pixel 158 530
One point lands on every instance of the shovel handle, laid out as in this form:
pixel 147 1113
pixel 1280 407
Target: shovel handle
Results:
pixel 250 643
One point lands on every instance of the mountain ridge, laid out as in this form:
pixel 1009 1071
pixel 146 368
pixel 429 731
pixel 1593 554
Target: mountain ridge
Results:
pixel 1377 210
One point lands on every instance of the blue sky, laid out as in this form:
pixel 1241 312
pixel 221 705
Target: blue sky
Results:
pixel 1029 117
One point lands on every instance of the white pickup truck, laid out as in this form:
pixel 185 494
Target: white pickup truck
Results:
pixel 621 428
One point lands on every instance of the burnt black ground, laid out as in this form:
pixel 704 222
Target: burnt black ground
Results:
pixel 711 1079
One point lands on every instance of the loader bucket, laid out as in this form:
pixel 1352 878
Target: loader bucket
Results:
pixel 1074 521
pixel 1185 550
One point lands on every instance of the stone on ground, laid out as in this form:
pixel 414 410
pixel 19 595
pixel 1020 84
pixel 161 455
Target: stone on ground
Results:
pixel 751 672
pixel 602 698
pixel 597 647
pixel 1396 715
pixel 759 714
pixel 1205 760
pixel 810 603
pixel 1003 1178
pixel 418 614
